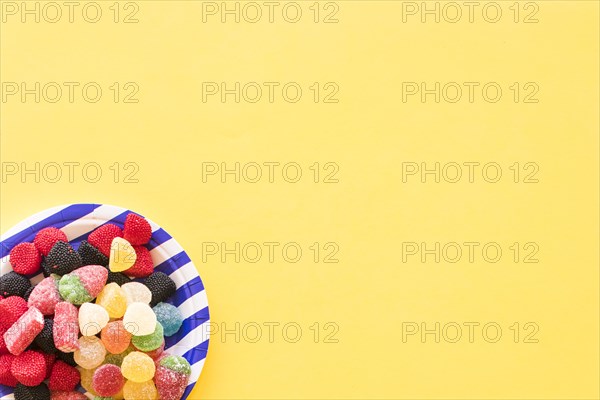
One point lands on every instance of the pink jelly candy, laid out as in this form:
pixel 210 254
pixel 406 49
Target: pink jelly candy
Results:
pixel 21 333
pixel 66 327
pixel 108 380
pixel 45 296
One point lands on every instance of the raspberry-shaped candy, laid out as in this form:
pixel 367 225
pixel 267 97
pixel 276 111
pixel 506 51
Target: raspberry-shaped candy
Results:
pixel 50 359
pixel 25 259
pixel 29 368
pixel 161 287
pixel 3 349
pixel 63 377
pixel 62 259
pixel 137 230
pixel 107 381
pixel 40 392
pixel 172 375
pixel 103 236
pixel 47 237
pixel 91 255
pixel 68 396
pixel 45 296
pixel 6 376
pixel 144 266
pixel 11 309
pixel 13 284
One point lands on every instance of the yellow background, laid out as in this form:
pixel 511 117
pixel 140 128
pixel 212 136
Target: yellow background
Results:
pixel 369 213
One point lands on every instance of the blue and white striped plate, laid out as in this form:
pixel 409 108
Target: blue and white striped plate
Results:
pixel 77 221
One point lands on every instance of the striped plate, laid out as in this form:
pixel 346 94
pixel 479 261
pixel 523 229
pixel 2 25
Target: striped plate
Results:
pixel 77 221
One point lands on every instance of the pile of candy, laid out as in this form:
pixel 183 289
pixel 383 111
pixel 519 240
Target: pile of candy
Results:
pixel 88 322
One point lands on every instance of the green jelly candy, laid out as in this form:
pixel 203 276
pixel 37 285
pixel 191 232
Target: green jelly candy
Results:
pixel 149 342
pixel 72 290
pixel 177 364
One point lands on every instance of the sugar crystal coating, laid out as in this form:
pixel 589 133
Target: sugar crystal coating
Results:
pixel 149 342
pixel 72 290
pixel 22 333
pixel 136 292
pixel 107 380
pixel 91 352
pixel 45 296
pixel 112 298
pixel 140 390
pixel 138 367
pixel 139 319
pixel 169 317
pixel 115 337
pixel 92 277
pixel 86 379
pixel 92 318
pixel 66 327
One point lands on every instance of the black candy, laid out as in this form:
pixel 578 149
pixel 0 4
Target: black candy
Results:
pixel 161 287
pixel 13 284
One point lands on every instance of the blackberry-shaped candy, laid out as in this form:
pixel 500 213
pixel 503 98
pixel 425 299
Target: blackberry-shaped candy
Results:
pixel 13 284
pixel 45 339
pixel 91 255
pixel 161 287
pixel 28 292
pixel 69 358
pixel 62 259
pixel 40 392
pixel 118 278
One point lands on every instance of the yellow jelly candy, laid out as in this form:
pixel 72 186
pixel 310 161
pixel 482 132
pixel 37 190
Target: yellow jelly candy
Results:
pixel 91 352
pixel 140 390
pixel 138 367
pixel 113 299
pixel 86 379
pixel 122 255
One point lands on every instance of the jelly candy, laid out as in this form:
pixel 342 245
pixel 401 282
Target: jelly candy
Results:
pixel 91 352
pixel 66 327
pixel 45 296
pixel 138 367
pixel 139 319
pixel 107 380
pixel 136 292
pixel 86 379
pixel 83 284
pixel 149 342
pixel 140 390
pixel 122 255
pixel 115 338
pixel 169 317
pixel 92 318
pixel 112 298
pixel 172 375
pixel 24 330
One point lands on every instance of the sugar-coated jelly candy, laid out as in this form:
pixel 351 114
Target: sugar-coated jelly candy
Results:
pixel 112 298
pixel 91 352
pixel 149 342
pixel 115 338
pixel 66 327
pixel 24 330
pixel 140 390
pixel 108 380
pixel 136 292
pixel 139 319
pixel 138 367
pixel 169 317
pixel 172 375
pixel 92 318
